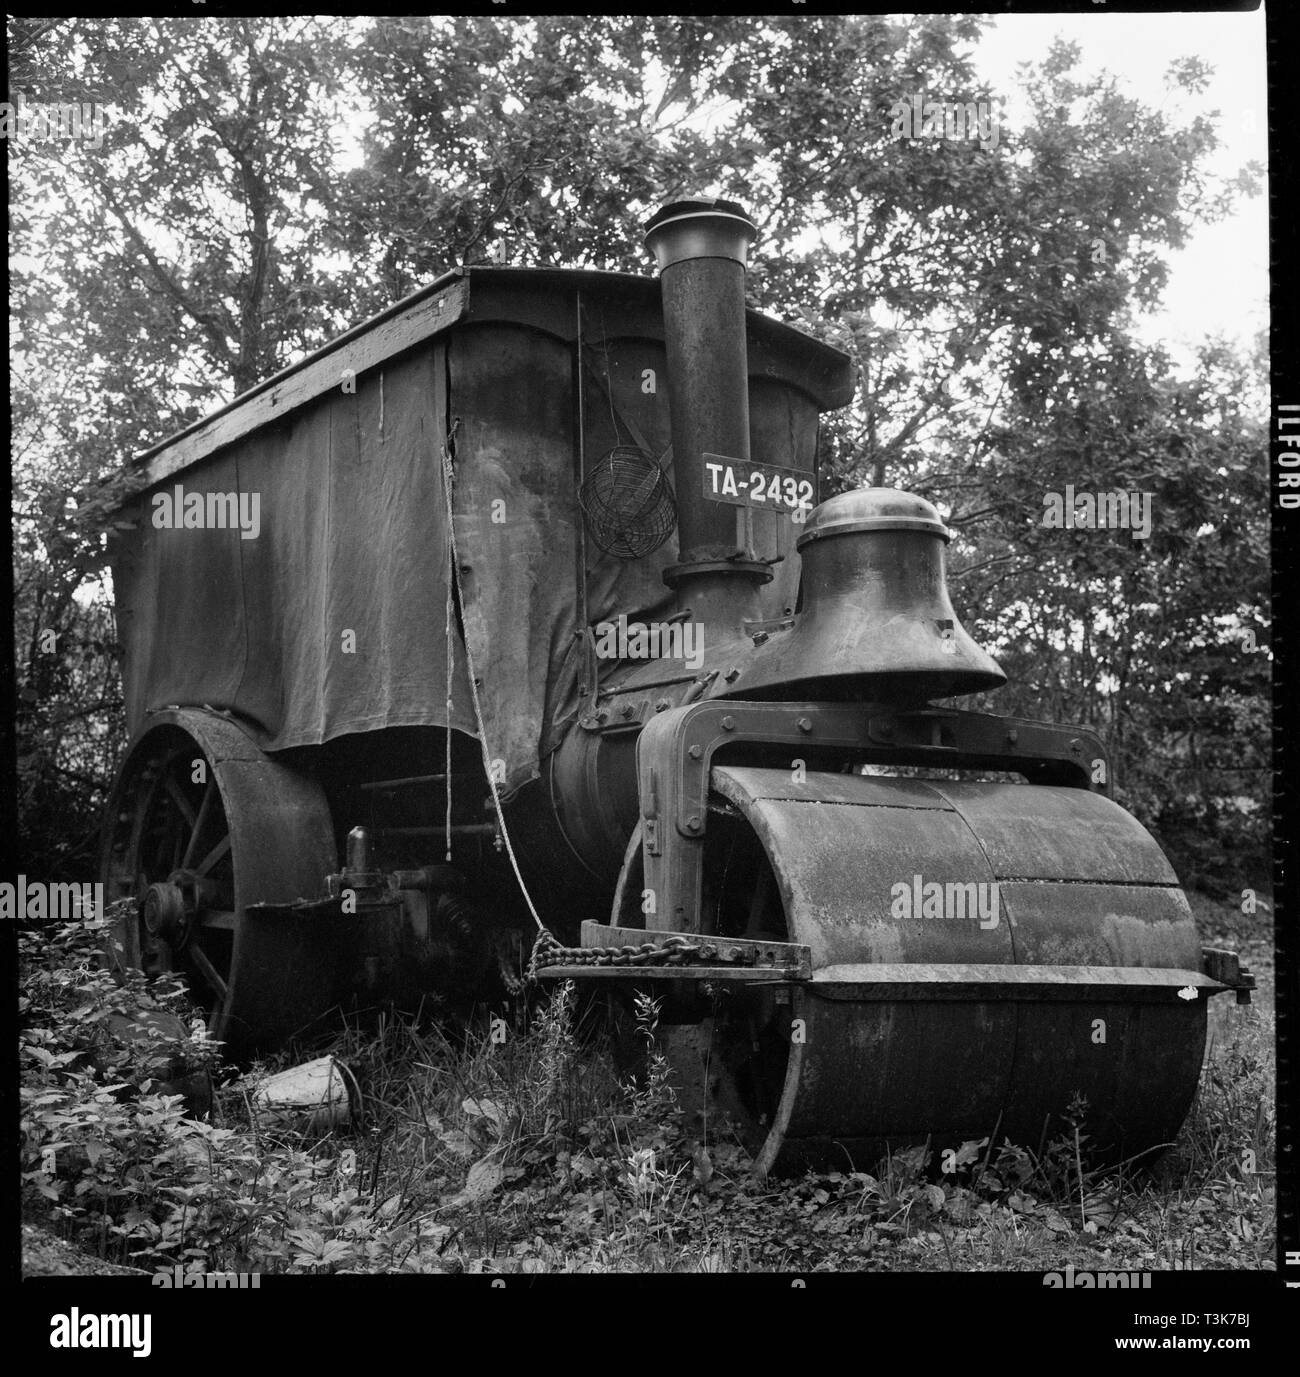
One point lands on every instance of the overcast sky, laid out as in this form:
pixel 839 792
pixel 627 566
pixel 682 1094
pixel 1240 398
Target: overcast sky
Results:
pixel 1219 282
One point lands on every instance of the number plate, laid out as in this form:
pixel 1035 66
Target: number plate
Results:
pixel 767 487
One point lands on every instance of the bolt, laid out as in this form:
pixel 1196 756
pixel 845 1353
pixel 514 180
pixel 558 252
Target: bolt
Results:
pixel 760 637
pixel 728 724
pixel 804 724
pixel 1076 746
pixel 695 752
pixel 732 675
pixel 887 730
pixel 626 710
pixel 602 716
pixel 662 705
pixel 1012 737
pixel 466 568
pixel 693 823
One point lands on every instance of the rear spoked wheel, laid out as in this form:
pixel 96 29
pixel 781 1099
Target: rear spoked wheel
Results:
pixel 204 827
pixel 171 854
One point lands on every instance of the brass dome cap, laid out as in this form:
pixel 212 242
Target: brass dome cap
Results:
pixel 873 509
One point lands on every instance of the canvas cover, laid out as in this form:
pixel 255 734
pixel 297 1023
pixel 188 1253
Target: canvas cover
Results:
pixel 332 620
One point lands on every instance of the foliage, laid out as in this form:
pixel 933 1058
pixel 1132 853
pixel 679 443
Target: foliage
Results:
pixel 532 1154
pixel 1160 644
pixel 267 182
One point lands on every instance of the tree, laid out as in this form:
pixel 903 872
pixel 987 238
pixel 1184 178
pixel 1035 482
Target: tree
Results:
pixel 983 286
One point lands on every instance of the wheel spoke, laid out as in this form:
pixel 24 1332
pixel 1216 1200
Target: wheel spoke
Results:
pixel 214 855
pixel 208 970
pixel 179 799
pixel 198 824
pixel 177 828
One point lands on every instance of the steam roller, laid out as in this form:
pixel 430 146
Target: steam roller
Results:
pixel 904 922
pixel 460 686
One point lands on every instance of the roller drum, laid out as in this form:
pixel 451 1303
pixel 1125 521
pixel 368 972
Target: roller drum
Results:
pixel 981 954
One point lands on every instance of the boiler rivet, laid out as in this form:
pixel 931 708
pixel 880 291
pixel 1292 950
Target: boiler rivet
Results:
pixel 695 752
pixel 728 724
pixel 693 823
pixel 804 724
pixel 1012 737
pixel 1076 746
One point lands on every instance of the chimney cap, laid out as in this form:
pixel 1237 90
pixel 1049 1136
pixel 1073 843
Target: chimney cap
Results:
pixel 700 229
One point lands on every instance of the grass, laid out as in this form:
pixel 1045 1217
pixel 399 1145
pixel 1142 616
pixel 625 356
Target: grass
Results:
pixel 515 1145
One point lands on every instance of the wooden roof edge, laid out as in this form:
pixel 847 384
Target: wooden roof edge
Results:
pixel 408 323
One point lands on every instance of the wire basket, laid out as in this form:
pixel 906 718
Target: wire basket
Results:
pixel 627 503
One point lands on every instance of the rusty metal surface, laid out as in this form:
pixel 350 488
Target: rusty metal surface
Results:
pixel 676 750
pixel 1100 924
pixel 1060 834
pixel 937 1026
pixel 696 974
pixel 792 958
pixel 1226 966
pixel 282 846
pixel 908 980
pixel 876 616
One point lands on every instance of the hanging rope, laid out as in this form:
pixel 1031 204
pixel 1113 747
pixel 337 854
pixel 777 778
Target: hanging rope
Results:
pixel 547 948
pixel 473 683
pixel 451 662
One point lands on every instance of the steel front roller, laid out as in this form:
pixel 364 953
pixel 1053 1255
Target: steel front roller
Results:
pixel 982 953
pixel 203 825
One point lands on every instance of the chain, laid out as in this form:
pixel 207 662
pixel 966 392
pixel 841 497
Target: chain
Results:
pixel 672 951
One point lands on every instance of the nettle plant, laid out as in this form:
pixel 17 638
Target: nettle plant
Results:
pixel 121 1166
pixel 105 1153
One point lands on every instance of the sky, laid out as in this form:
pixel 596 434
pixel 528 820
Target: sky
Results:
pixel 1219 281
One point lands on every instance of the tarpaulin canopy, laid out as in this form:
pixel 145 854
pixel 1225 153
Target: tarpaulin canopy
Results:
pixel 331 619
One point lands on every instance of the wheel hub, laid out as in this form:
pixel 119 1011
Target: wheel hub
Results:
pixel 166 914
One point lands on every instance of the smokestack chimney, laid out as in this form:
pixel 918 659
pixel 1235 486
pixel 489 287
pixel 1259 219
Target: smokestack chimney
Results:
pixel 700 248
